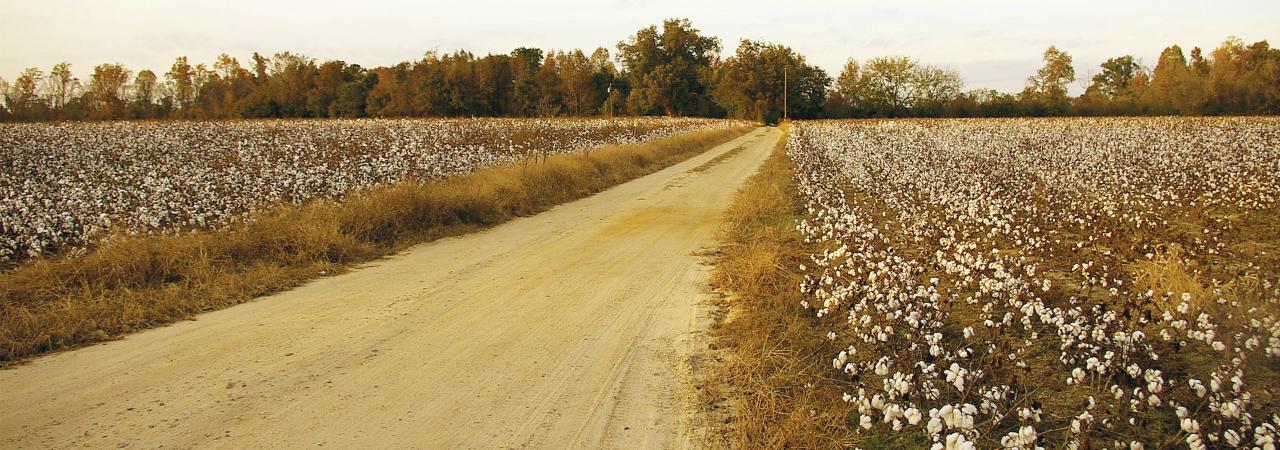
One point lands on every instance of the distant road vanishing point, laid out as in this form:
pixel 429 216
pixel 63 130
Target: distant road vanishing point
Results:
pixel 559 330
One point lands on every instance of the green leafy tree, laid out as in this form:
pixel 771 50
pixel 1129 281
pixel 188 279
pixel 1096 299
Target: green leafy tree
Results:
pixel 844 100
pixel 577 75
pixel 181 83
pixel 1046 91
pixel 1117 89
pixel 670 71
pixel 1117 76
pixel 329 81
pixel 145 86
pixel 259 68
pixel 608 84
pixel 495 84
pixel 525 64
pixel 107 91
pixel 460 85
pixel 550 87
pixel 1244 79
pixel 292 76
pixel 896 86
pixel 61 87
pixel 888 85
pixel 749 85
pixel 230 83
pixel 1174 88
pixel 352 101
pixel 934 88
pixel 390 96
pixel 23 98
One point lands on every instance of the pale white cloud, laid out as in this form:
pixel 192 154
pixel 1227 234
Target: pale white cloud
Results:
pixel 993 43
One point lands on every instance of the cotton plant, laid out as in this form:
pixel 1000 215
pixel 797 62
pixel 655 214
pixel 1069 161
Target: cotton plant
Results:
pixel 63 185
pixel 973 273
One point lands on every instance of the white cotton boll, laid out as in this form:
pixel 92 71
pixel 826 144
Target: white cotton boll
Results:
pixel 865 422
pixel 892 413
pixel 955 376
pixel 950 416
pixel 877 402
pixel 1197 386
pixel 1028 434
pixel 1010 440
pixel 956 441
pixel 934 426
pixel 1230 410
pixel 1232 438
pixel 912 415
pixel 1190 425
pixel 1135 445
pixel 1265 441
pixel 1194 442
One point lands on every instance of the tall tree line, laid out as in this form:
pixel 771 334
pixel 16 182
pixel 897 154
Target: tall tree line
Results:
pixel 672 69
pixel 1234 79
pixel 526 82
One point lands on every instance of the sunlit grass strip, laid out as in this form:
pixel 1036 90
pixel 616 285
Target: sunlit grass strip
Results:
pixel 771 350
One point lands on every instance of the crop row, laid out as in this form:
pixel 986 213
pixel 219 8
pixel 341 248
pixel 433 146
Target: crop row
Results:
pixel 1062 283
pixel 63 185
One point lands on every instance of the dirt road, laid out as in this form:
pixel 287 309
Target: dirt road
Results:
pixel 560 330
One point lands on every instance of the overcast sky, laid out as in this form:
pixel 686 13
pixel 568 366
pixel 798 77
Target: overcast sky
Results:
pixel 992 43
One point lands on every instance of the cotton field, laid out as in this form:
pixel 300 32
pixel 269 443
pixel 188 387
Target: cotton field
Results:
pixel 1048 283
pixel 62 185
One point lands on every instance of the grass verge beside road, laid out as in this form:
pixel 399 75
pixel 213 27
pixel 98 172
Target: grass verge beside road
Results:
pixel 768 347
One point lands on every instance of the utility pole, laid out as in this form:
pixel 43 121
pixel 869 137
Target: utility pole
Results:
pixel 784 92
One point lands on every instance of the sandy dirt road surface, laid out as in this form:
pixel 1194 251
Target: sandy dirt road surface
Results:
pixel 560 330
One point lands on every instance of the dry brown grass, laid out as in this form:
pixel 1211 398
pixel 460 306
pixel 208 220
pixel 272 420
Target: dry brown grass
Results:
pixel 136 283
pixel 771 353
pixel 1167 271
pixel 719 159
